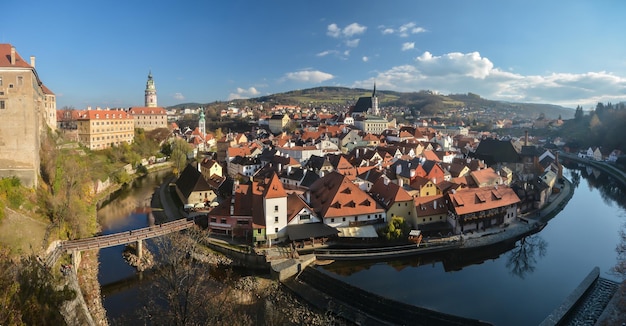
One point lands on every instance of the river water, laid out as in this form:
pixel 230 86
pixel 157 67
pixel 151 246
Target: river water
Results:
pixel 119 281
pixel 518 283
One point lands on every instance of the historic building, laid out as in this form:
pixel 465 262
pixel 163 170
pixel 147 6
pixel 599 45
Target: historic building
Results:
pixel 26 107
pixel 150 116
pixel 100 129
pixel 151 94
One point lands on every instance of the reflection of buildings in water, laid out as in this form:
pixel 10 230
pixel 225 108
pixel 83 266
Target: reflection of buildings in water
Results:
pixel 522 260
pixel 591 171
pixel 118 212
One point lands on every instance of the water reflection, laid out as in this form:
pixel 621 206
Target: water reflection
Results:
pixel 524 253
pixel 611 190
pixel 522 260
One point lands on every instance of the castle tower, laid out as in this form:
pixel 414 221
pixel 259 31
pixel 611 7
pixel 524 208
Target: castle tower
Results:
pixel 151 95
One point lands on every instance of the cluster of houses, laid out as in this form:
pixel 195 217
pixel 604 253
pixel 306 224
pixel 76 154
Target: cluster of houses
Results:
pixel 341 180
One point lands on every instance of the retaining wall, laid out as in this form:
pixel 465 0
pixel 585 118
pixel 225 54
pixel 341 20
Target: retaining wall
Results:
pixel 560 312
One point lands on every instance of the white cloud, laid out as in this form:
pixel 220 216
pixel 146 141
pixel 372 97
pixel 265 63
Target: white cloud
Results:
pixel 471 64
pixel 325 53
pixel 309 76
pixel 404 30
pixel 365 59
pixel 388 31
pixel 333 30
pixel 353 43
pixel 179 96
pixel 354 29
pixel 408 46
pixel 349 31
pixel 243 93
pixel 470 72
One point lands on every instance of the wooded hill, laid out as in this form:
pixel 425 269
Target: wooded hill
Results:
pixel 425 103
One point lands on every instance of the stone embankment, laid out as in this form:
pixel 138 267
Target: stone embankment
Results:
pixel 364 308
pixel 585 304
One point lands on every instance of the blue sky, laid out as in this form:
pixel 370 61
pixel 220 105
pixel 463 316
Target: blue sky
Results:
pixel 99 53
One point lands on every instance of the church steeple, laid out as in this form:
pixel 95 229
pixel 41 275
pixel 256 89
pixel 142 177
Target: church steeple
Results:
pixel 151 95
pixel 375 110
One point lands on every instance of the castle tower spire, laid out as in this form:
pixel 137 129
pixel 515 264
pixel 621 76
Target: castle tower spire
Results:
pixel 151 95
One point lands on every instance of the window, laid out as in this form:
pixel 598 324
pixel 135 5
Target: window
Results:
pixel 305 216
pixel 276 208
pixel 258 231
pixel 2 105
pixel 223 221
pixel 275 219
pixel 275 230
pixel 0 81
pixel 20 80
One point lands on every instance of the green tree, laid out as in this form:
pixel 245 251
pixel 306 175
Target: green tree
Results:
pixel 180 149
pixel 579 113
pixel 396 229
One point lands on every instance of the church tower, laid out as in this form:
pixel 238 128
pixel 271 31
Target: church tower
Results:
pixel 151 95
pixel 375 110
pixel 202 124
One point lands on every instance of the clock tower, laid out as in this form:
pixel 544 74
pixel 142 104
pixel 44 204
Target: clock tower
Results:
pixel 151 95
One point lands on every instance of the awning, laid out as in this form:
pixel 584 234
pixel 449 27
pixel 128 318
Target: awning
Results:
pixel 310 230
pixel 365 231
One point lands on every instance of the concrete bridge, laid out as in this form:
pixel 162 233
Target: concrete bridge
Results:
pixel 74 247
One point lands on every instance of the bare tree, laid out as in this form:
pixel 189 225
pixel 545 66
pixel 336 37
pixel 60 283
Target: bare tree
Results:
pixel 185 293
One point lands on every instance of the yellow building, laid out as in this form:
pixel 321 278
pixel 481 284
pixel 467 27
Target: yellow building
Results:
pixel 278 122
pixel 24 105
pixel 100 129
pixel 149 118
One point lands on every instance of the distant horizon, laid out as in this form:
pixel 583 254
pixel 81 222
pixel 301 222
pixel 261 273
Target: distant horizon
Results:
pixel 302 89
pixel 565 53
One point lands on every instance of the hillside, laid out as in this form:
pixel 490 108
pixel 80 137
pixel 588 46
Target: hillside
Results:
pixel 425 103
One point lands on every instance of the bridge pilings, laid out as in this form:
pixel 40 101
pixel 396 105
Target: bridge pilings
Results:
pixel 139 249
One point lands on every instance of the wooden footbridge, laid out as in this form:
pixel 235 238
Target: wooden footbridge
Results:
pixel 74 247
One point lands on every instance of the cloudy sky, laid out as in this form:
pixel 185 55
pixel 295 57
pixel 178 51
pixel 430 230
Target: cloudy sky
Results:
pixel 99 53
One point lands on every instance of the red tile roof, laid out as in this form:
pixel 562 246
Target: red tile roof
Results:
pixel 335 196
pixel 147 110
pixel 103 115
pixel 389 193
pixel 431 205
pixel 5 58
pixel 472 200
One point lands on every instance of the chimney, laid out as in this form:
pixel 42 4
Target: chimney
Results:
pixel 32 61
pixel 13 56
pixel 526 138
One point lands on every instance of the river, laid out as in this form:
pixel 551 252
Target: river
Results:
pixel 511 284
pixel 118 280
pixel 518 283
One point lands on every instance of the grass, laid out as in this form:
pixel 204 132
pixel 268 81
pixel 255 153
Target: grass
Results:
pixel 22 234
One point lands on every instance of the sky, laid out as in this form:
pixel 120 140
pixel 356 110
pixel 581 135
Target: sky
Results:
pixel 99 53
